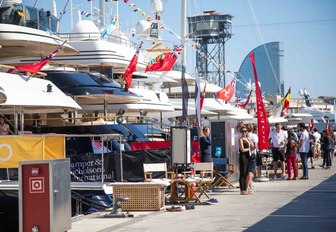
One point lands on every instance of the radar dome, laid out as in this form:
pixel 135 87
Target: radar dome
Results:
pixel 142 28
pixel 86 30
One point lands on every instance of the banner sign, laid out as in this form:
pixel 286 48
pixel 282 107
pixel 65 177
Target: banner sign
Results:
pixel 90 168
pixel 14 149
pixel 263 124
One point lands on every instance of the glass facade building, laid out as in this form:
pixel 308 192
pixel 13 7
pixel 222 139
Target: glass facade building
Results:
pixel 269 65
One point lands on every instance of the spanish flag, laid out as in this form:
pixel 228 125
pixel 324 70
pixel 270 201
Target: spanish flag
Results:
pixel 285 103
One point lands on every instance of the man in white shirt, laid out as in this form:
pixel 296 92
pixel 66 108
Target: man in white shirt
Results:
pixel 205 122
pixel 317 136
pixel 279 141
pixel 304 145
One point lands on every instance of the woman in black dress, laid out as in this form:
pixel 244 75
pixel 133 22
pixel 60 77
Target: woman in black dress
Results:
pixel 245 146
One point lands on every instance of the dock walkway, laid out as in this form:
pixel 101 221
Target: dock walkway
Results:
pixel 277 205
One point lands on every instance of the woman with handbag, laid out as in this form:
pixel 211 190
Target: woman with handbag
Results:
pixel 291 155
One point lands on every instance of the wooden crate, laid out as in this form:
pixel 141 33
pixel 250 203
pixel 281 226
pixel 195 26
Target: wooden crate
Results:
pixel 142 196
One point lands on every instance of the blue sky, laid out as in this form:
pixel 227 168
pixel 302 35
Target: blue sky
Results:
pixel 307 29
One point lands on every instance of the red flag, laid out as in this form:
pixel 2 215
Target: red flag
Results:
pixel 263 124
pixel 243 106
pixel 164 61
pixel 202 97
pixel 131 68
pixel 227 92
pixel 36 67
pixel 328 128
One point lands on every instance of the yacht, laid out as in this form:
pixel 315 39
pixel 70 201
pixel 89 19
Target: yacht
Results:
pixel 108 55
pixel 23 34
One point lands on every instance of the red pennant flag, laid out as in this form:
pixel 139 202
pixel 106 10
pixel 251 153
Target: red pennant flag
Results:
pixel 131 68
pixel 36 67
pixel 263 124
pixel 243 106
pixel 164 61
pixel 227 92
pixel 203 96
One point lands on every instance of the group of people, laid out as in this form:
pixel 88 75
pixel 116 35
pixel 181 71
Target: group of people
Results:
pixel 285 144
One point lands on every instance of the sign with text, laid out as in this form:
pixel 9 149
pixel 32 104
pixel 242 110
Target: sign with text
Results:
pixel 91 167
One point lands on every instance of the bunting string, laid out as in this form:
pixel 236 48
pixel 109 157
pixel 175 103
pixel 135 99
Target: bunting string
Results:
pixel 137 9
pixel 195 47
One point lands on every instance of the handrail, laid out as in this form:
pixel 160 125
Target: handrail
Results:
pixel 96 36
pixel 128 118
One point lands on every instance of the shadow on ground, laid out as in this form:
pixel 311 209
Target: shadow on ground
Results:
pixel 314 210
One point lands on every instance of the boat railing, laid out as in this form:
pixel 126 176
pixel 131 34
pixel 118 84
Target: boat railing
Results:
pixel 96 36
pixel 85 120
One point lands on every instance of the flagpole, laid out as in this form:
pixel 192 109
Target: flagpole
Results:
pixel 91 10
pixel 184 31
pixel 184 62
pixel 71 16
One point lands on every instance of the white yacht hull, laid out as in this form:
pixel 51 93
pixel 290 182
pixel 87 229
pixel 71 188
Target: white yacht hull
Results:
pixel 19 42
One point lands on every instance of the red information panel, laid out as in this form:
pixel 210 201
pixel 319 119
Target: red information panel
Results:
pixel 36 199
pixel 36 185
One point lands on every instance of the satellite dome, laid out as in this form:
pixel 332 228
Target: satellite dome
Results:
pixel 86 30
pixel 142 28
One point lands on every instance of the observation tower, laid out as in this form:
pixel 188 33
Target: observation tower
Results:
pixel 210 31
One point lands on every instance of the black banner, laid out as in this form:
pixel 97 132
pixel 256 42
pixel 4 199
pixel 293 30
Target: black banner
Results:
pixel 90 168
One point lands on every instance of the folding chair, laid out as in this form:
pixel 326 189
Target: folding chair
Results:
pixel 203 177
pixel 150 168
pixel 223 170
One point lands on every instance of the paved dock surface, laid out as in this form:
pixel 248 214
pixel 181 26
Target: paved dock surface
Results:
pixel 277 205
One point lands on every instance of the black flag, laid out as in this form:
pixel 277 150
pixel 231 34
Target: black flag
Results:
pixel 185 96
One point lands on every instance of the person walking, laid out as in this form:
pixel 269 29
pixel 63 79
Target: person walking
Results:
pixel 245 146
pixel 317 136
pixel 279 141
pixel 329 142
pixel 311 147
pixel 304 145
pixel 291 155
pixel 205 145
pixel 324 145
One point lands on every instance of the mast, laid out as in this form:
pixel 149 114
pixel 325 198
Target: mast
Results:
pixel 102 12
pixel 184 32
